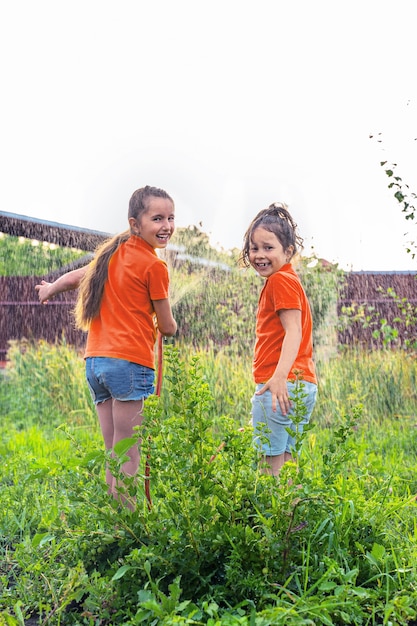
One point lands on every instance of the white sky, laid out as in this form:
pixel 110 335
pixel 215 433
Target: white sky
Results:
pixel 229 105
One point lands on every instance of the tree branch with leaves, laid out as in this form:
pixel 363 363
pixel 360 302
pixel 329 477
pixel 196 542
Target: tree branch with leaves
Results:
pixel 402 194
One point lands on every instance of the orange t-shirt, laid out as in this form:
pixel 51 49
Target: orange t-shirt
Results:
pixel 282 290
pixel 125 327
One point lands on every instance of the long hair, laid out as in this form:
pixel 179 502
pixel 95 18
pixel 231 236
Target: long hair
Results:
pixel 276 219
pixel 91 288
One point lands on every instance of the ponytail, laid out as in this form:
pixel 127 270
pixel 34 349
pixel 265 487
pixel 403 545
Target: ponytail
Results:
pixel 91 288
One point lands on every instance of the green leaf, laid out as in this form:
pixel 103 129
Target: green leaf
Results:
pixel 92 457
pixel 327 585
pixel 41 538
pixel 378 551
pixel 124 445
pixel 121 572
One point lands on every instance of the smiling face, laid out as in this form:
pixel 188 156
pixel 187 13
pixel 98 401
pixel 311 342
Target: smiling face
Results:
pixel 266 253
pixel 156 224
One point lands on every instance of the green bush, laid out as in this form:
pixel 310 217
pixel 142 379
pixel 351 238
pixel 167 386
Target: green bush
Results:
pixel 332 541
pixel 22 257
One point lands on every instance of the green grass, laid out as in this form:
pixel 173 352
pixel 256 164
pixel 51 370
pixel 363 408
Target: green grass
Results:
pixel 384 382
pixel 333 541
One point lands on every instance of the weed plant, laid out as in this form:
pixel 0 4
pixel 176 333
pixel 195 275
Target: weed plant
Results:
pixel 332 541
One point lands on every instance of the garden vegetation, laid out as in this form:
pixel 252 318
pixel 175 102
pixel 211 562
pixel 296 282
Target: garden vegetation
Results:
pixel 215 541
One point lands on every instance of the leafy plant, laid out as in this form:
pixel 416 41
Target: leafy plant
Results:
pixel 331 541
pixel 404 196
pixel 388 332
pixel 23 257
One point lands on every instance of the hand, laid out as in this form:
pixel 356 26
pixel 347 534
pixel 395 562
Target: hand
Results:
pixel 43 291
pixel 279 392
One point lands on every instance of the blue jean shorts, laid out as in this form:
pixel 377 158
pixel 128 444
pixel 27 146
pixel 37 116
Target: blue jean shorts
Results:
pixel 270 434
pixel 118 379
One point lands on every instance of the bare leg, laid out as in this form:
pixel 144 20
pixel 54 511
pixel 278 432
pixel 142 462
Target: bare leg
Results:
pixel 117 421
pixel 105 416
pixel 126 416
pixel 276 462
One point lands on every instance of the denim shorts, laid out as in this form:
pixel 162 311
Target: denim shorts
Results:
pixel 271 436
pixel 119 379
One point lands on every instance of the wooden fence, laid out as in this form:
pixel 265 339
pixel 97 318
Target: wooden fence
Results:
pixel 372 293
pixel 21 315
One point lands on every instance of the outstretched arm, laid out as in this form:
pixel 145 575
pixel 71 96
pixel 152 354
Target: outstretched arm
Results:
pixel 66 282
